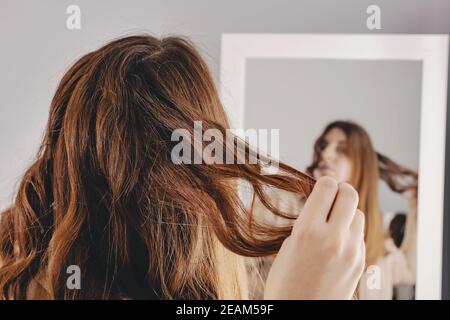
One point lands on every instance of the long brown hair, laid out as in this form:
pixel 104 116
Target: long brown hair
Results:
pixel 103 193
pixel 368 166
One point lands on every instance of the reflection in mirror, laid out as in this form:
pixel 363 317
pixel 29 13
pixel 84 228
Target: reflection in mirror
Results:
pixel 408 54
pixel 359 122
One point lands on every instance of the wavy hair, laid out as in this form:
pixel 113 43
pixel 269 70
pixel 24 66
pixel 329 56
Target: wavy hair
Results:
pixel 103 193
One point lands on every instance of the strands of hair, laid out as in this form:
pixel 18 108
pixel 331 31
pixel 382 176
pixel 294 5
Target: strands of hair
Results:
pixel 104 195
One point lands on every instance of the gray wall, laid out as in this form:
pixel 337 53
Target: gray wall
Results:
pixel 301 96
pixel 36 48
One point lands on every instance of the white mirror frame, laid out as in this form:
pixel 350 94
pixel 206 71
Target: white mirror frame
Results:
pixel 431 50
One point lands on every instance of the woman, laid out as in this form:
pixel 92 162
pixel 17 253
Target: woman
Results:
pixel 104 194
pixel 344 151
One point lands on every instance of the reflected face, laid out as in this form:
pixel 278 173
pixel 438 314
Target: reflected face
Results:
pixel 334 157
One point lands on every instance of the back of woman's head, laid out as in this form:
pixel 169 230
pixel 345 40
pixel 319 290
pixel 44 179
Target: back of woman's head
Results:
pixel 104 194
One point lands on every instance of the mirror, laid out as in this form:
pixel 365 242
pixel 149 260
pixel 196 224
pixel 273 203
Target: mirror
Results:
pixel 393 88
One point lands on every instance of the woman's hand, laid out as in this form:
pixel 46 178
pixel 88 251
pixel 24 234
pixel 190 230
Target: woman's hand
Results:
pixel 324 256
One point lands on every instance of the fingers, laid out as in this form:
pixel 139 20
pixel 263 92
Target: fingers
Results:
pixel 321 199
pixel 345 206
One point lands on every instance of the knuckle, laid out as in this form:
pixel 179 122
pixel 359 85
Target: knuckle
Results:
pixel 346 190
pixel 327 184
